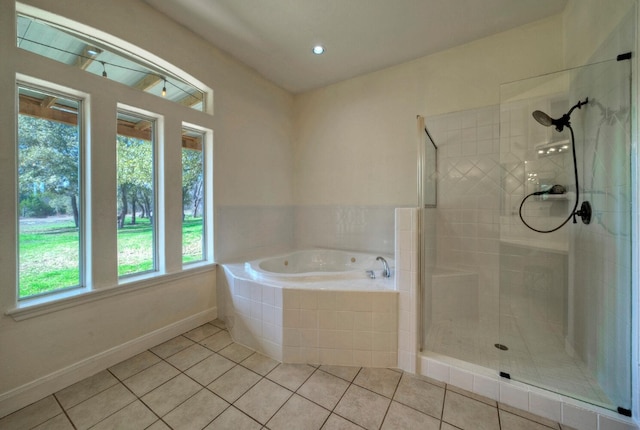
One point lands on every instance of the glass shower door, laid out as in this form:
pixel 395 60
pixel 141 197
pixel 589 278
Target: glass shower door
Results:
pixel 565 295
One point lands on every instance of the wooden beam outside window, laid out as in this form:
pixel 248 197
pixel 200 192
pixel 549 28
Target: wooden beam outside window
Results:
pixel 47 109
pixel 147 82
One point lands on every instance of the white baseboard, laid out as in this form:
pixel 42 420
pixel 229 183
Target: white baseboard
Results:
pixel 37 389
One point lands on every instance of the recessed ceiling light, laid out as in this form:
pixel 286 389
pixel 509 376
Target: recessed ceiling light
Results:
pixel 318 49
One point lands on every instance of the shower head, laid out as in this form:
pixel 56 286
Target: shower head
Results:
pixel 543 118
pixel 559 123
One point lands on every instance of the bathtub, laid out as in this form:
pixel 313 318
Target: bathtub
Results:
pixel 313 306
pixel 319 265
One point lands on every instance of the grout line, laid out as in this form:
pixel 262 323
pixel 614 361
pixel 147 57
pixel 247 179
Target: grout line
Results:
pixel 136 398
pixel 341 397
pixel 444 401
pixel 296 390
pixel 117 381
pixel 64 411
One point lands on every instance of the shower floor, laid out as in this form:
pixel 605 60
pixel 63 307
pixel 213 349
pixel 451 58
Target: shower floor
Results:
pixel 536 354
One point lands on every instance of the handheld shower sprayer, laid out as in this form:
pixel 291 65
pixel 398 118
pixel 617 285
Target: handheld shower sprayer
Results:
pixel 585 209
pixel 556 189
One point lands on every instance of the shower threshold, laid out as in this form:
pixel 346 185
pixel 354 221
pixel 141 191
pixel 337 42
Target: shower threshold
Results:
pixel 534 356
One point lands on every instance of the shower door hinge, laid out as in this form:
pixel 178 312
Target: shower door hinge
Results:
pixel 625 56
pixel 625 412
pixel 505 375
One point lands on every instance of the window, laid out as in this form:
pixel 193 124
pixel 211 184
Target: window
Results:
pixel 49 192
pixel 136 194
pixel 59 44
pixel 193 195
pixel 75 241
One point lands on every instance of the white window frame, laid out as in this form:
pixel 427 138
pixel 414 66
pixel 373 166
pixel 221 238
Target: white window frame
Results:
pixel 156 213
pixel 205 187
pixel 100 278
pixel 82 99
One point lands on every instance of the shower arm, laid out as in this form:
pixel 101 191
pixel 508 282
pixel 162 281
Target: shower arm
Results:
pixel 577 105
pixel 564 121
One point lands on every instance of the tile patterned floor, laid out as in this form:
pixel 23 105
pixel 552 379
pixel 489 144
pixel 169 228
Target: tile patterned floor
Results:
pixel 203 380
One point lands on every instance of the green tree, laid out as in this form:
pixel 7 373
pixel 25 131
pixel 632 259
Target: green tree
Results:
pixel 192 180
pixel 135 176
pixel 49 158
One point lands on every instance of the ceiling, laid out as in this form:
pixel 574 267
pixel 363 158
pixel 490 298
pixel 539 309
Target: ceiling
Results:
pixel 275 37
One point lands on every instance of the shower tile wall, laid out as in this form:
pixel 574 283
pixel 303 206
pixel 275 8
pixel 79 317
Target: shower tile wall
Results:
pixel 534 266
pixel 520 285
pixel 526 170
pixel 467 221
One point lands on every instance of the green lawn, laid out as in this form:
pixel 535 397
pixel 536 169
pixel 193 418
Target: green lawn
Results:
pixel 49 252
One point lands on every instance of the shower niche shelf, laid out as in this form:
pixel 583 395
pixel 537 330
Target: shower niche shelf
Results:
pixel 550 149
pixel 552 197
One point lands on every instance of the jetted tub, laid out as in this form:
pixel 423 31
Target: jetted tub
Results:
pixel 314 306
pixel 318 265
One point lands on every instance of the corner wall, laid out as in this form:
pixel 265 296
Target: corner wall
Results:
pixel 355 141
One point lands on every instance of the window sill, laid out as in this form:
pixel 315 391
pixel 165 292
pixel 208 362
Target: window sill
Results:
pixel 31 308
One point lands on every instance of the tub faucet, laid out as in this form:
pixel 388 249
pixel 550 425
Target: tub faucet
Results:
pixel 386 272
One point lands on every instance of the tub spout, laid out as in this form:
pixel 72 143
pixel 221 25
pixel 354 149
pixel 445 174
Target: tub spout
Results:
pixel 386 272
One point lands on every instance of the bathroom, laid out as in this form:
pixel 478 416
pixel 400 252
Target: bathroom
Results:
pixel 329 167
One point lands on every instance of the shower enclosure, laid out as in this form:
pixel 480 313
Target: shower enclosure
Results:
pixel 552 310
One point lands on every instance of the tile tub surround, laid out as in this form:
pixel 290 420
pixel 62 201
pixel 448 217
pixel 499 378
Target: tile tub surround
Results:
pixel 255 231
pixel 231 386
pixel 345 227
pixel 350 327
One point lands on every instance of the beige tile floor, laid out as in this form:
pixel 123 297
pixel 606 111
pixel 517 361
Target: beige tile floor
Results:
pixel 203 380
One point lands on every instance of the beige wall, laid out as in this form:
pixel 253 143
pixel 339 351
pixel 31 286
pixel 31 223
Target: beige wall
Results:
pixel 252 129
pixel 355 141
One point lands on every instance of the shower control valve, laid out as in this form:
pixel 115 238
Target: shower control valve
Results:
pixel 584 213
